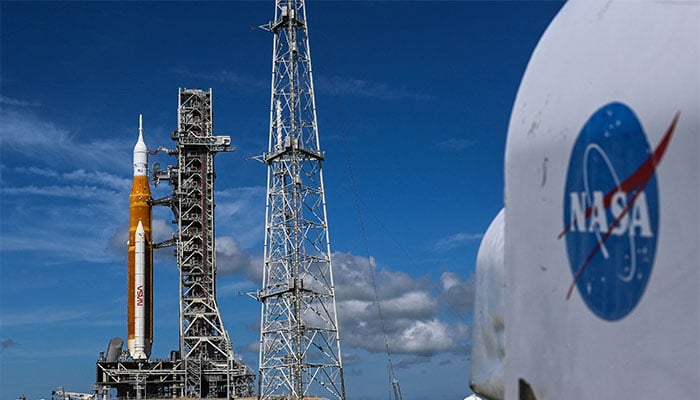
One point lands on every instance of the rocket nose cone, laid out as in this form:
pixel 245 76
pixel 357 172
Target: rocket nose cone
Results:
pixel 140 145
pixel 139 228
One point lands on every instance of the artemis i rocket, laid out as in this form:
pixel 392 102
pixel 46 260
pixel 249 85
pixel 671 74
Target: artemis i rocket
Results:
pixel 140 257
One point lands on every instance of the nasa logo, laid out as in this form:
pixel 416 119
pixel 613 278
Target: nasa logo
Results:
pixel 139 296
pixel 611 210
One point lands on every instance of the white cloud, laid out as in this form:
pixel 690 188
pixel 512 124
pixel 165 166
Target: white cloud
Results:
pixel 70 192
pixel 64 221
pixel 458 294
pixel 231 259
pixel 76 214
pixel 411 309
pixel 26 134
pixel 119 183
pixel 449 280
pixel 351 274
pixel 98 185
pixel 8 101
pixel 411 305
pixel 37 171
pixel 456 240
pixel 427 338
pixel 50 315
pixel 240 213
pixel 453 144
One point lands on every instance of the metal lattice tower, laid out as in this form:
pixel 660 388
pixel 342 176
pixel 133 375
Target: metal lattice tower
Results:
pixel 205 347
pixel 299 343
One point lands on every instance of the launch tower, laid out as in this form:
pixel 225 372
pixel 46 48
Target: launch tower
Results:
pixel 205 347
pixel 299 343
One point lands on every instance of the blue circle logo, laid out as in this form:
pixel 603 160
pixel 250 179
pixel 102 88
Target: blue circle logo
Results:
pixel 611 211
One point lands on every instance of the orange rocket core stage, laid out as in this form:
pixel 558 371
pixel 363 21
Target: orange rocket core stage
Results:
pixel 140 210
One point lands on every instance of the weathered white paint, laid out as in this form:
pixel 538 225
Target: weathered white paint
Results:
pixel 488 341
pixel 646 55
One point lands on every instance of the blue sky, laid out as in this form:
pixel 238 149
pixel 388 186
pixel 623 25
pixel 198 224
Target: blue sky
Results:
pixel 421 92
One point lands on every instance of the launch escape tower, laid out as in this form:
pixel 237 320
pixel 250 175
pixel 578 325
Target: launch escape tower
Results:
pixel 205 347
pixel 299 343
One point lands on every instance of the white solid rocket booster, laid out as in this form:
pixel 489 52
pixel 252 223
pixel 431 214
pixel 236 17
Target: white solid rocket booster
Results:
pixel 140 294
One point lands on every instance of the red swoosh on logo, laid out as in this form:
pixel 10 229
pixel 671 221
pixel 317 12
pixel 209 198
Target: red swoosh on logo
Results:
pixel 635 182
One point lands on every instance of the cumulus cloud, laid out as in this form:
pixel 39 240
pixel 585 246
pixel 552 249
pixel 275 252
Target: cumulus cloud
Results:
pixel 457 294
pixel 231 259
pixel 162 230
pixel 411 309
pixel 427 338
pixel 418 313
pixel 240 213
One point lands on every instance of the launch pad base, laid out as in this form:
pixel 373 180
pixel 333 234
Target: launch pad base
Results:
pixel 140 379
pixel 162 379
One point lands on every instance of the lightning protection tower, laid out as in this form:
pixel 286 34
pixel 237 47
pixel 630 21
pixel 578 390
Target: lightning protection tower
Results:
pixel 299 343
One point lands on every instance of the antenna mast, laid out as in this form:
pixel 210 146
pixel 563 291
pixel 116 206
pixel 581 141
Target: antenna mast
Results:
pixel 299 343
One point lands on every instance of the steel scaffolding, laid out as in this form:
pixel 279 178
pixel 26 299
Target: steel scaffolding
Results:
pixel 206 349
pixel 299 344
pixel 139 379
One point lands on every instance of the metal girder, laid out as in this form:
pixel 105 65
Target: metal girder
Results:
pixel 210 369
pixel 300 353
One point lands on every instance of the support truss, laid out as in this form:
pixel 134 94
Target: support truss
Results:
pixel 300 348
pixel 210 369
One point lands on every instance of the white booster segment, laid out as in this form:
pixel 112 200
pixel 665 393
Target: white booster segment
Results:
pixel 139 341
